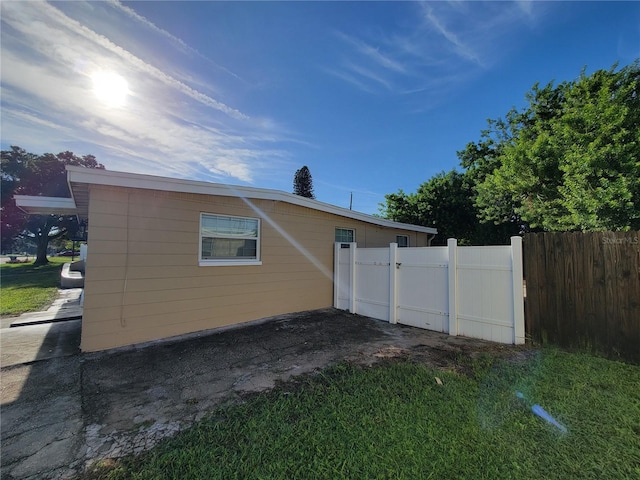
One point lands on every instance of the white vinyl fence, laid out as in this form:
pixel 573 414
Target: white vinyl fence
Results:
pixel 471 291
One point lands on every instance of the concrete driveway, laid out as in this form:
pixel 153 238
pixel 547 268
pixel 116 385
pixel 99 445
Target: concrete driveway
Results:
pixel 62 412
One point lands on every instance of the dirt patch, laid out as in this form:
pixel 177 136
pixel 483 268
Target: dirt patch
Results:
pixel 455 354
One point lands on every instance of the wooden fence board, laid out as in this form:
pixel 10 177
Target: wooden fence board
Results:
pixel 583 290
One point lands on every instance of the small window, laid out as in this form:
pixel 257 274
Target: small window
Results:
pixel 229 240
pixel 402 240
pixel 345 235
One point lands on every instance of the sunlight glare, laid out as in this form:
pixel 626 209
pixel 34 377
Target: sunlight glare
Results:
pixel 110 88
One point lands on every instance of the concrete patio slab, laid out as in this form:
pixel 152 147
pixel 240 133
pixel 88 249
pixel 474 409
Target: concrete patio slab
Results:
pixel 31 343
pixel 66 307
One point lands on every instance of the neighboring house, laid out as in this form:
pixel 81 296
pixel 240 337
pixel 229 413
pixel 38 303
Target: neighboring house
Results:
pixel 168 257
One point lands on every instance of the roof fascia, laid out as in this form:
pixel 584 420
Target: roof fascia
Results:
pixel 151 182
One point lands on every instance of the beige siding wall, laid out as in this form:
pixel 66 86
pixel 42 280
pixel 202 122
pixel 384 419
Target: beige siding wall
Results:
pixel 143 281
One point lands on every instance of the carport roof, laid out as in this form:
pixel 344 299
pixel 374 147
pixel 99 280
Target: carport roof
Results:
pixel 80 178
pixel 46 205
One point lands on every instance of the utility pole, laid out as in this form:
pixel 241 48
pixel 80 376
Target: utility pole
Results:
pixel 351 202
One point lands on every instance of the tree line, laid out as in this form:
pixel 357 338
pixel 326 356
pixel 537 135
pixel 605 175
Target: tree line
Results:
pixel 568 161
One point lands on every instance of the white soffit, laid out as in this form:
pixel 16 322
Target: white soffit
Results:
pixel 80 175
pixel 45 205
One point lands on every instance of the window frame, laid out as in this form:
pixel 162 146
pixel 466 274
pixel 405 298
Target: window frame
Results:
pixel 229 261
pixel 405 236
pixel 352 230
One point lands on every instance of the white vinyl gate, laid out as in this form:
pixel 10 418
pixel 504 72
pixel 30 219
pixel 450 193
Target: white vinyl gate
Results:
pixel 471 291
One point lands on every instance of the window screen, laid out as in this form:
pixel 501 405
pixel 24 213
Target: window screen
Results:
pixel 345 235
pixel 229 238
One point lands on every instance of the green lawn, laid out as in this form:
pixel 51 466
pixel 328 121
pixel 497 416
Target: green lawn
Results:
pixel 393 421
pixel 26 288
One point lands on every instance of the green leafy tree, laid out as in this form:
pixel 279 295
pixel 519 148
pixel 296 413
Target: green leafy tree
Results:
pixel 24 173
pixel 303 183
pixel 445 202
pixel 498 220
pixel 573 162
pixel 570 160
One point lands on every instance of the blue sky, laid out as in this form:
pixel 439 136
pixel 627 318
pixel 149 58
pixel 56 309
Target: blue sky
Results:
pixel 372 96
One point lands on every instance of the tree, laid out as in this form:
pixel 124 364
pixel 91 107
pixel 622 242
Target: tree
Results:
pixel 303 183
pixel 12 219
pixel 573 162
pixel 498 221
pixel 445 202
pixel 442 202
pixel 28 174
pixel 570 160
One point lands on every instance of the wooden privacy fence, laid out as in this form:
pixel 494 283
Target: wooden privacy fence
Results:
pixel 583 290
pixel 470 291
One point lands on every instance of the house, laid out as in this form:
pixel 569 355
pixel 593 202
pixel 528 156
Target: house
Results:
pixel 169 256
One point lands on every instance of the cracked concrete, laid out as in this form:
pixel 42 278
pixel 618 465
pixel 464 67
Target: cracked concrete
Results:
pixel 59 415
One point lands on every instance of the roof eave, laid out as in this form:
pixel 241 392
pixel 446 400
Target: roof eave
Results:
pixel 35 205
pixel 79 175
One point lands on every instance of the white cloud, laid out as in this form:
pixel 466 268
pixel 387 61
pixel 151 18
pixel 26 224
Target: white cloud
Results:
pixel 166 126
pixel 477 32
pixel 440 46
pixel 372 53
pixel 368 74
pixel 526 6
pixel 134 15
pixel 29 118
pixel 347 77
pixel 460 47
pixel 178 41
pixel 139 64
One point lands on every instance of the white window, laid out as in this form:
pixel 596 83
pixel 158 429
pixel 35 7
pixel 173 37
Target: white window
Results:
pixel 228 240
pixel 402 240
pixel 345 235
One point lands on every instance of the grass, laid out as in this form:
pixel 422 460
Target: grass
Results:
pixel 26 288
pixel 393 421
